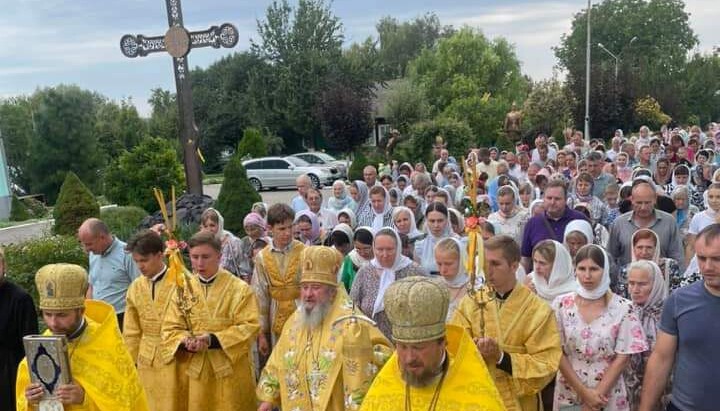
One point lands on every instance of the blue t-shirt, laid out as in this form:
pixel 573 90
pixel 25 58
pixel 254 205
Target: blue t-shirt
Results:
pixel 110 275
pixel 691 314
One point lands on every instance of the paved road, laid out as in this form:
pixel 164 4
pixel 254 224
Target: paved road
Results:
pixel 269 197
pixel 26 232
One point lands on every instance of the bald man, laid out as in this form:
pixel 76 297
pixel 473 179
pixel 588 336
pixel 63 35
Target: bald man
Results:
pixel 111 268
pixel 303 184
pixel 370 176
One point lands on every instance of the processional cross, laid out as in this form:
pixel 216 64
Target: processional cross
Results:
pixel 178 42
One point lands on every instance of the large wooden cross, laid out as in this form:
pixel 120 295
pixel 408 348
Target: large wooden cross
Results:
pixel 178 42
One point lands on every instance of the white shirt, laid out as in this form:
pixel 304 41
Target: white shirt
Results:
pixel 535 156
pixel 700 221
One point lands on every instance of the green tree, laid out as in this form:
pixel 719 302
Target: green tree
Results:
pixel 252 144
pixel 130 179
pixel 222 104
pixel 16 127
pixel 471 79
pixel 457 134
pixel 649 112
pixel 164 116
pixel 18 211
pixel 651 65
pixel 64 139
pixel 75 204
pixel 400 43
pixel 702 88
pixel 118 127
pixel 344 115
pixel 548 108
pixel 236 196
pixel 300 48
pixel 406 105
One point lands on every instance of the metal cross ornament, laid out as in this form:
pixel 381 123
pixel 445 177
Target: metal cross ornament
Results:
pixel 178 42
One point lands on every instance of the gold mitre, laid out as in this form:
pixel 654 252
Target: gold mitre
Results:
pixel 417 307
pixel 320 265
pixel 61 286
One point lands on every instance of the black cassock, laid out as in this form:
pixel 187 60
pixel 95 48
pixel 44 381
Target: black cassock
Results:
pixel 18 318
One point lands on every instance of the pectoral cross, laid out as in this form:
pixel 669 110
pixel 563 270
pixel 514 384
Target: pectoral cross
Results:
pixel 178 42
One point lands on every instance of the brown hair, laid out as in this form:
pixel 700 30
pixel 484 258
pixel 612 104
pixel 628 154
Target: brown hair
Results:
pixel 644 234
pixel 145 242
pixel 280 213
pixel 510 249
pixel 591 251
pixel 557 183
pixel 378 190
pixel 546 249
pixel 205 238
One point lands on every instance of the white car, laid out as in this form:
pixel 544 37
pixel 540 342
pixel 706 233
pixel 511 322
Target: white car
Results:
pixel 276 172
pixel 324 160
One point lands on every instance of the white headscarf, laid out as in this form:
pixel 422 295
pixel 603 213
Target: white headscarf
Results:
pixel 461 277
pixel 460 218
pixel 604 285
pixel 562 276
pixel 355 257
pixel 581 226
pixel 533 204
pixel 388 274
pixel 414 232
pixel 659 290
pixel 351 214
pixel 378 221
pixel 363 201
pixel 427 245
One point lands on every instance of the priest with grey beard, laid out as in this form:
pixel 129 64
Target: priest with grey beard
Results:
pixel 327 355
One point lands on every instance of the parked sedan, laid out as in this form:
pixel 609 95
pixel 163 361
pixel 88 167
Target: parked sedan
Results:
pixel 275 172
pixel 323 159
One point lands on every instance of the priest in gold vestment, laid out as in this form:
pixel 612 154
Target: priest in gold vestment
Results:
pixel 436 366
pixel 521 343
pixel 216 325
pixel 103 373
pixel 165 379
pixel 326 356
pixel 276 279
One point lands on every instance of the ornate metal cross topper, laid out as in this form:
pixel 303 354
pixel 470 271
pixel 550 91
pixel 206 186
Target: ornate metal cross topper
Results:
pixel 178 42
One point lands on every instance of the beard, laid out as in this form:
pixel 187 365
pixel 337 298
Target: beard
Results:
pixel 313 317
pixel 424 379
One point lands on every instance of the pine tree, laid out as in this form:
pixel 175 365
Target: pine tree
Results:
pixel 75 204
pixel 236 196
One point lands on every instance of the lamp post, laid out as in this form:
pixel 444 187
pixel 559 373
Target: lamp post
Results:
pixel 587 77
pixel 617 57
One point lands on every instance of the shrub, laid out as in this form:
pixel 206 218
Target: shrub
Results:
pixel 25 259
pixel 649 112
pixel 236 196
pixel 123 221
pixel 457 135
pixel 35 207
pixel 75 204
pixel 18 211
pixel 130 179
pixel 252 144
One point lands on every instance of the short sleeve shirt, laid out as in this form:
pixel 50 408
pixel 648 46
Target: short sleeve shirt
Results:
pixel 110 275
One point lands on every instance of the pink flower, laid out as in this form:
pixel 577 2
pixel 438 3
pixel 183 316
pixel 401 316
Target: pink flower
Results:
pixel 171 244
pixel 637 332
pixel 471 222
pixel 621 402
pixel 567 301
pixel 588 351
pixel 585 334
pixel 614 331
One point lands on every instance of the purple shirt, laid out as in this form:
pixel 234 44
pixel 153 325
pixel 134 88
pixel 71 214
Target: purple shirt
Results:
pixel 536 230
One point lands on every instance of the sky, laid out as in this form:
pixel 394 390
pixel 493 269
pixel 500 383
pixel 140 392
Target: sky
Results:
pixel 49 42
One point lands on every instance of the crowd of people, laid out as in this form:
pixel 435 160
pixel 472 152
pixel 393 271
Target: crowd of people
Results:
pixel 597 288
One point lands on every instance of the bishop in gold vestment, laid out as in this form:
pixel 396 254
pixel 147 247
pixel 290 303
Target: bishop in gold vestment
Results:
pixel 165 379
pixel 519 323
pixel 328 365
pixel 223 322
pixel 99 360
pixel 436 366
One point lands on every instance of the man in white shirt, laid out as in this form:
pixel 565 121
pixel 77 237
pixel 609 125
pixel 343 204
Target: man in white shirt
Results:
pixel 486 164
pixel 541 141
pixel 614 149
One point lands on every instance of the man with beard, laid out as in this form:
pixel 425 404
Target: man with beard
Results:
pixel 436 366
pixel 321 362
pixel 103 374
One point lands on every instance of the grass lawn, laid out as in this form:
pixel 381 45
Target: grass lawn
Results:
pixel 213 178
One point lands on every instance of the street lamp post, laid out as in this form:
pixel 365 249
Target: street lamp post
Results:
pixel 587 77
pixel 617 57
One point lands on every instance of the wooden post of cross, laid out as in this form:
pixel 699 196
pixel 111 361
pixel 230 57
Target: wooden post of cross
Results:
pixel 178 42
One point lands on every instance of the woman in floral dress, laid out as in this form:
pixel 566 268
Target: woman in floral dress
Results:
pixel 599 331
